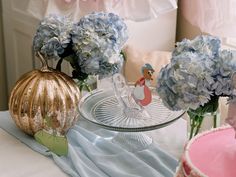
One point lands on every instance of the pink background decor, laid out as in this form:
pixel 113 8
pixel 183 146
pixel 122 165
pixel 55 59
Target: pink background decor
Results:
pixel 215 17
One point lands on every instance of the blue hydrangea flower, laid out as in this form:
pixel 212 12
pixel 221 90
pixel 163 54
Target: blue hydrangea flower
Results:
pixel 185 82
pixel 97 40
pixel 225 66
pixel 52 36
pixel 208 46
pixel 199 70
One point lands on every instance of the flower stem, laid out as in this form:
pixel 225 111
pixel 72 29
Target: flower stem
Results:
pixel 192 124
pixel 58 67
pixel 43 62
pixel 191 132
pixel 215 120
pixel 88 88
pixel 200 119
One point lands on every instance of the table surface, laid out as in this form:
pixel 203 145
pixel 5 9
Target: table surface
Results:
pixel 19 160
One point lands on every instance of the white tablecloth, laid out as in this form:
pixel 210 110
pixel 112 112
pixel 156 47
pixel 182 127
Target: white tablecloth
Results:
pixel 16 159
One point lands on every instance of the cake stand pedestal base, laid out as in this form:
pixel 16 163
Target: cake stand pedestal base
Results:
pixel 132 141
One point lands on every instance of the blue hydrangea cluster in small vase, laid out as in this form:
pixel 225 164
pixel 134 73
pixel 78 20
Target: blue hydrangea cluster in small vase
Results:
pixel 92 46
pixel 198 74
pixel 53 37
pixel 98 39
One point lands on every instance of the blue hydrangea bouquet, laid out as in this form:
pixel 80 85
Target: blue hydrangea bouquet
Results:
pixel 198 74
pixel 92 46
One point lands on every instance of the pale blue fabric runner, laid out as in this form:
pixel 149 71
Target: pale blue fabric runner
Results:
pixel 91 155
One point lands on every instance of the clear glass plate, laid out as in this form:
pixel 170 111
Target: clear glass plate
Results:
pixel 101 107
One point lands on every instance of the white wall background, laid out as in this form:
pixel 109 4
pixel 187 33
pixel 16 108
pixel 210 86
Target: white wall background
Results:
pixel 155 34
pixel 3 83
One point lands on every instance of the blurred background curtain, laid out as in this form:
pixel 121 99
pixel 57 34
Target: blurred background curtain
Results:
pixel 136 10
pixel 215 17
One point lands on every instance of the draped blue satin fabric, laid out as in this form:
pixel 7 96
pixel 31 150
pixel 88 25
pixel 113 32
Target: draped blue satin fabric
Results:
pixel 92 154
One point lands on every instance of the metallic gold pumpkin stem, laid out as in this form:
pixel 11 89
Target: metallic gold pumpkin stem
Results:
pixel 43 62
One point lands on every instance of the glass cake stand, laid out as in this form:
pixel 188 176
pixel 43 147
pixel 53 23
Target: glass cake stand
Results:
pixel 102 108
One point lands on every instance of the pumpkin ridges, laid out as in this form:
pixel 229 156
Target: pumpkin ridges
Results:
pixel 33 104
pixel 74 89
pixel 24 99
pixel 25 77
pixel 67 94
pixel 51 94
pixel 15 90
pixel 60 90
pixel 72 97
pixel 45 81
pixel 19 98
pixel 44 109
pixel 45 85
pixel 68 103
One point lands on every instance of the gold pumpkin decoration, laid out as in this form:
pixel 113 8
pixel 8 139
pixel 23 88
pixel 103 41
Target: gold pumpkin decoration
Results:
pixel 44 94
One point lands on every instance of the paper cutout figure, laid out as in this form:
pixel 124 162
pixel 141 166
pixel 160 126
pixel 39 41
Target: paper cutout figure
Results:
pixel 142 93
pixel 51 138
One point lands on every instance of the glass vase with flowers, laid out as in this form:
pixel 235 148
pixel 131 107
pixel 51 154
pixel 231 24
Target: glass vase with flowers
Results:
pixel 92 46
pixel 199 73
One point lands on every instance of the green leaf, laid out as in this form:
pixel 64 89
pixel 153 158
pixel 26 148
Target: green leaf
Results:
pixel 58 67
pixel 56 144
pixel 77 74
pixel 209 107
pixel 88 88
pixel 212 105
pixel 69 58
pixel 81 87
pixel 123 55
pixel 196 116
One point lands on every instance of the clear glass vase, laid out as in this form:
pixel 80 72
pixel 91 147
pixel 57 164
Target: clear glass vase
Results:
pixel 201 123
pixel 87 85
